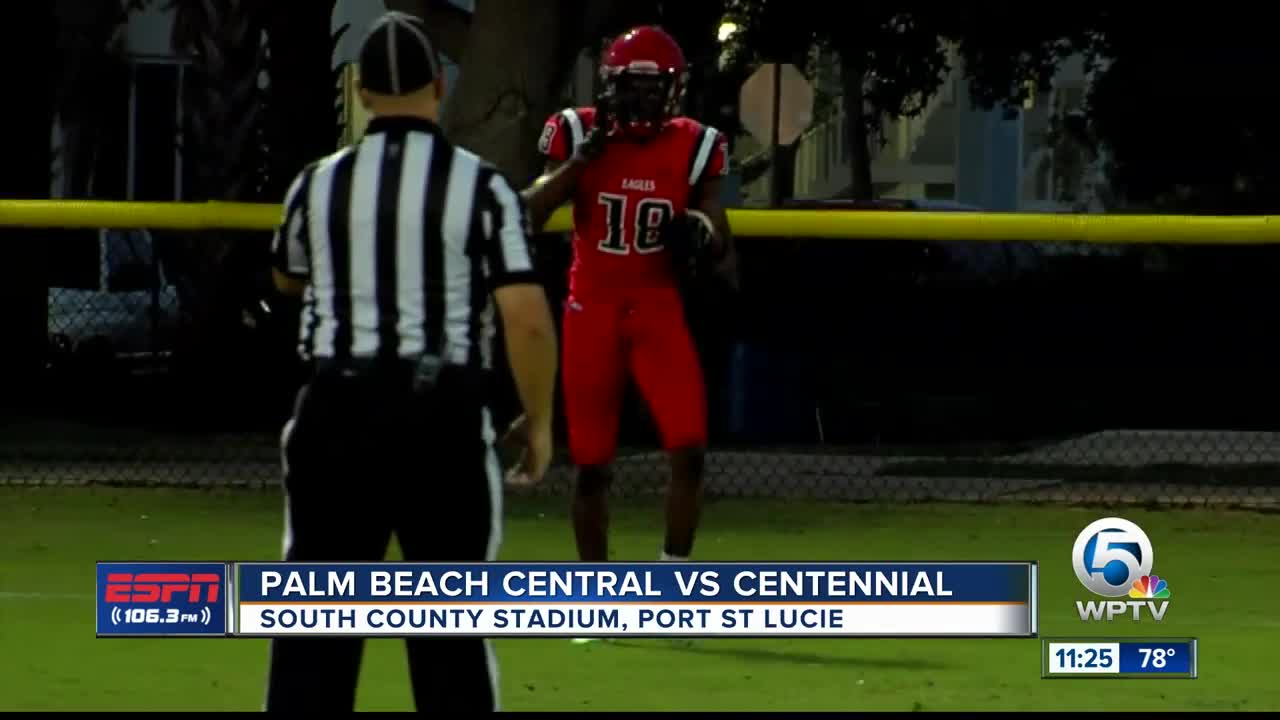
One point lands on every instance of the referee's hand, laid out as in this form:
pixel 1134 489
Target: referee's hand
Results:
pixel 534 442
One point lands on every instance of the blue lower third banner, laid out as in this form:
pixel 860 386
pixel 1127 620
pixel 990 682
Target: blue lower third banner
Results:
pixel 168 599
pixel 641 600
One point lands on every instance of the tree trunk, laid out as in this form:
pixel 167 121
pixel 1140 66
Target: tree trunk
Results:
pixel 26 174
pixel 301 49
pixel 517 60
pixel 515 63
pixel 852 74
pixel 447 24
pixel 88 80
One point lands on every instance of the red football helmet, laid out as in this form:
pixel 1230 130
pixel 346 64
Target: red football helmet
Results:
pixel 643 75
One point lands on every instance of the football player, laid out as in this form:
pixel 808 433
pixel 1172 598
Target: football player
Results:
pixel 645 186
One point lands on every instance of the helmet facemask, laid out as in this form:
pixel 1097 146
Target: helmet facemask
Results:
pixel 639 103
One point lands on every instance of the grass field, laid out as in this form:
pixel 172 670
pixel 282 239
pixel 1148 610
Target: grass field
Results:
pixel 1221 568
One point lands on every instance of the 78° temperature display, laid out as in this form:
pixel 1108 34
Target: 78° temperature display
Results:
pixel 1119 657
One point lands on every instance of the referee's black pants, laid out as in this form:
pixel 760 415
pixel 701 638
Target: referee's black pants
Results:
pixel 365 457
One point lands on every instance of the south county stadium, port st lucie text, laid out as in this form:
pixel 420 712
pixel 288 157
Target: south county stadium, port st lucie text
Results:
pixel 501 619
pixel 629 618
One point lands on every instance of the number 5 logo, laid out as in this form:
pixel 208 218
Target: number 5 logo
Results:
pixel 1110 554
pixel 651 215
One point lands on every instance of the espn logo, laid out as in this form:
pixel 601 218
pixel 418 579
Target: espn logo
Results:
pixel 162 587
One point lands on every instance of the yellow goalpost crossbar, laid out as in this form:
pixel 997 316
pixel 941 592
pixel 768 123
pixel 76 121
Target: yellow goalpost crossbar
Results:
pixel 827 224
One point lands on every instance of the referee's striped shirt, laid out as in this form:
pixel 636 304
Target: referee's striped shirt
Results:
pixel 401 237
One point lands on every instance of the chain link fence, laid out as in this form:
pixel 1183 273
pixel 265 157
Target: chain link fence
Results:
pixel 1168 468
pixel 110 298
pixel 843 371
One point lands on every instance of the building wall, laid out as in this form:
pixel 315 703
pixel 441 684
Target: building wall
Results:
pixel 953 151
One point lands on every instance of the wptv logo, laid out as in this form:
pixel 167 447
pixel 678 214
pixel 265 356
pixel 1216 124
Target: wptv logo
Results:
pixel 1113 558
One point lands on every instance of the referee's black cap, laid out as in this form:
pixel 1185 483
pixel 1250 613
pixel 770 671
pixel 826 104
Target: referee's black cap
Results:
pixel 397 57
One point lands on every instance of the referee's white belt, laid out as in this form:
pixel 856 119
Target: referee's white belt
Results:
pixel 384 369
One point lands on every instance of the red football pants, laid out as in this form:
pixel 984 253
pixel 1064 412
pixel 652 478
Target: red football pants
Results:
pixel 641 335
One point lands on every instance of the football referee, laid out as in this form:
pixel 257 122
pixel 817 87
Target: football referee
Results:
pixel 400 246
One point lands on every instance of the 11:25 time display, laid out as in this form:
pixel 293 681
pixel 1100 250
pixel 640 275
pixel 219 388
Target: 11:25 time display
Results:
pixel 1089 657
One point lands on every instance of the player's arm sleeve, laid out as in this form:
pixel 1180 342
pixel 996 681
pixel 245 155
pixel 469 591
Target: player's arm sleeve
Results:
pixel 291 242
pixel 710 158
pixel 504 234
pixel 561 135
pixel 710 163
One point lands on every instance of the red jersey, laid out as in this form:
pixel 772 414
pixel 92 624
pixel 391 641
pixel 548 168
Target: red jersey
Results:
pixel 627 193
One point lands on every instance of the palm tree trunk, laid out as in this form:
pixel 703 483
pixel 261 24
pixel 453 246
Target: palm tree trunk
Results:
pixel 224 143
pixel 224 38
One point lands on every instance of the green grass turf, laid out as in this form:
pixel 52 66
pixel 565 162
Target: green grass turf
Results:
pixel 1220 566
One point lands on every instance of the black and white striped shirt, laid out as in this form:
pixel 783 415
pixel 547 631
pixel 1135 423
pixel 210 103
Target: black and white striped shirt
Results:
pixel 402 237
